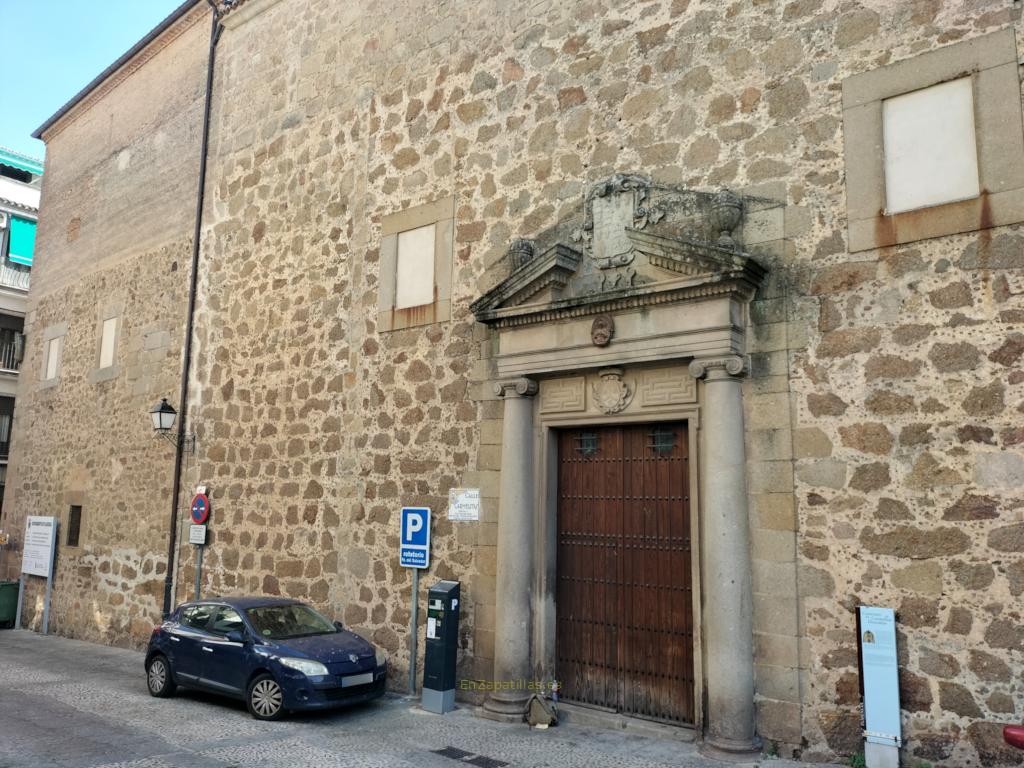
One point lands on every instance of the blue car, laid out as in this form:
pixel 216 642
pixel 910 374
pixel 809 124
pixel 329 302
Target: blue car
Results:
pixel 277 655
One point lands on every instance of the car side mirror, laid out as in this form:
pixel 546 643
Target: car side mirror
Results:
pixel 236 636
pixel 339 626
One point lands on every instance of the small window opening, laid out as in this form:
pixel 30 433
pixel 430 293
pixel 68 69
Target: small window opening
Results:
pixel 74 525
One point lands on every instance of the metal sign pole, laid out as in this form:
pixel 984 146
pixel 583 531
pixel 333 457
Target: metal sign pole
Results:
pixel 21 597
pixel 413 621
pixel 199 568
pixel 49 576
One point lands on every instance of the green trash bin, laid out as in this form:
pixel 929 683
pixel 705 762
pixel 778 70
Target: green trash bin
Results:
pixel 8 603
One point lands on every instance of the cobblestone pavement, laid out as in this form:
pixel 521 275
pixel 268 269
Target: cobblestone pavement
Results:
pixel 76 705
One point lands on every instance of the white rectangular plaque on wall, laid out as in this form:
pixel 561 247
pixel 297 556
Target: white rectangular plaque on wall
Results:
pixel 464 504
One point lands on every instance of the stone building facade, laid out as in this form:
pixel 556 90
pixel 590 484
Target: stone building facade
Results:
pixel 836 374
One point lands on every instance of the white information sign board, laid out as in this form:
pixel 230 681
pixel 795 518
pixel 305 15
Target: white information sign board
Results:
pixel 880 676
pixel 196 534
pixel 40 538
pixel 464 504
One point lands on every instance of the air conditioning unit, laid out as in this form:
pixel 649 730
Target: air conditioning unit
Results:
pixel 3 220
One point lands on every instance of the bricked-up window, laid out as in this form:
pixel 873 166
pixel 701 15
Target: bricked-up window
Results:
pixel 416 248
pixel 53 350
pixel 108 335
pixel 74 525
pixel 931 154
pixel 935 144
pixel 414 285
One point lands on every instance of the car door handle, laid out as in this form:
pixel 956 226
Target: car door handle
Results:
pixel 208 650
pixel 175 639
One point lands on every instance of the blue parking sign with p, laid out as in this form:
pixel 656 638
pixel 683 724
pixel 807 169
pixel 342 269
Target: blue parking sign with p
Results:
pixel 414 548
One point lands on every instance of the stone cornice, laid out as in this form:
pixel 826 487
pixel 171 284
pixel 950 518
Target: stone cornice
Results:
pixel 690 257
pixel 243 10
pixel 628 241
pixel 552 268
pixel 613 301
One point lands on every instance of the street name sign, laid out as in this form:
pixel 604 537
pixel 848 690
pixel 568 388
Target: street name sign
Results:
pixel 414 547
pixel 464 504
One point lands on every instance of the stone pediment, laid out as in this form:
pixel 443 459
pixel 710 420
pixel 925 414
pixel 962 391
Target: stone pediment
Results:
pixel 632 243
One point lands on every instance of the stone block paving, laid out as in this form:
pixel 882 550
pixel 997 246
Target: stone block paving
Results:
pixel 69 704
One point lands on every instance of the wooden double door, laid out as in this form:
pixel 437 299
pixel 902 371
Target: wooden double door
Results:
pixel 624 596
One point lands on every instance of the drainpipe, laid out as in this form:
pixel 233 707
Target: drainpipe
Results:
pixel 172 540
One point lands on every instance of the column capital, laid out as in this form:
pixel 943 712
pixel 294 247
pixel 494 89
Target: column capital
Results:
pixel 718 368
pixel 518 387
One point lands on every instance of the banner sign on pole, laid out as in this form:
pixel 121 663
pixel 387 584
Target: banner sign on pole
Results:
pixel 40 538
pixel 414 547
pixel 880 675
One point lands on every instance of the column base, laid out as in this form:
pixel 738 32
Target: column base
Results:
pixel 732 751
pixel 505 707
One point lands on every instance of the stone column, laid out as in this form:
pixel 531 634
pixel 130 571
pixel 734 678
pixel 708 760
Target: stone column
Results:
pixel 728 609
pixel 515 552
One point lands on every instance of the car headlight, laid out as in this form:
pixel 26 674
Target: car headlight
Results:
pixel 382 658
pixel 305 666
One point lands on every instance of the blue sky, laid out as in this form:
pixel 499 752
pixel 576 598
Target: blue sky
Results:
pixel 52 48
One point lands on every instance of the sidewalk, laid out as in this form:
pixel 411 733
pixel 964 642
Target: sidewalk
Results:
pixel 70 704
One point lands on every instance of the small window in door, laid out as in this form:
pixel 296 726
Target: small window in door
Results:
pixel 226 620
pixel 197 617
pixel 74 525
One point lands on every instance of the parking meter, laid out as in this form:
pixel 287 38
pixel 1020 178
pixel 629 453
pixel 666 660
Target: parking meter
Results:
pixel 442 647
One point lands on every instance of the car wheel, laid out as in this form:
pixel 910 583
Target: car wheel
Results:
pixel 265 698
pixel 158 677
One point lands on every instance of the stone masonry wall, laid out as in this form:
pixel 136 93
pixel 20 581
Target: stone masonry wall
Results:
pixel 884 403
pixel 514 111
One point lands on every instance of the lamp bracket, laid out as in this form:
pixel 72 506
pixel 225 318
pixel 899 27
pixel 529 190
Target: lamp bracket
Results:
pixel 188 442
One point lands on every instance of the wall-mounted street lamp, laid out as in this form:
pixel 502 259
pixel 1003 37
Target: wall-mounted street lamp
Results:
pixel 164 415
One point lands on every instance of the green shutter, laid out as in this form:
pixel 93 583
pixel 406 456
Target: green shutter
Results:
pixel 23 241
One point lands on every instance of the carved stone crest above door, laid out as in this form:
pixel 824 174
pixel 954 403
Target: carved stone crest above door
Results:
pixel 664 264
pixel 611 393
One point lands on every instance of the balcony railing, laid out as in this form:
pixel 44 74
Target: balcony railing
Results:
pixel 10 356
pixel 13 277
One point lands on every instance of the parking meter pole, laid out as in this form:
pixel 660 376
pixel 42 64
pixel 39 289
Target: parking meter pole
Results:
pixel 413 621
pixel 199 568
pixel 441 647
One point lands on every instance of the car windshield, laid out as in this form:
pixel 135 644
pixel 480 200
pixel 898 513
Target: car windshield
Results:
pixel 278 622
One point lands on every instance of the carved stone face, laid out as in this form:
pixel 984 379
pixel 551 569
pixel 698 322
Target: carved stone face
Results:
pixel 602 330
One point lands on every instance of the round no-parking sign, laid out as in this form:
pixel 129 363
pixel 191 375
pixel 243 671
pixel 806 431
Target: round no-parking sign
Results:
pixel 200 508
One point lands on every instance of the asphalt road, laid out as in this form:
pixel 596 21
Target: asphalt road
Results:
pixel 76 705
